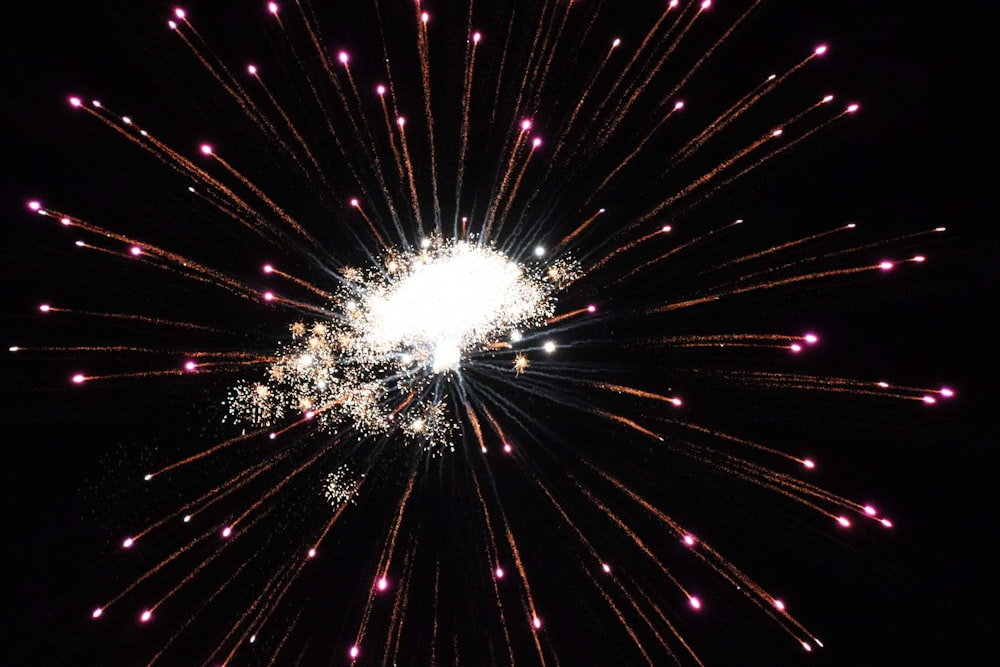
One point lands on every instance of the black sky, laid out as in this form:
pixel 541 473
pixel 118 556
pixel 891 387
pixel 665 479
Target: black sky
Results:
pixel 915 158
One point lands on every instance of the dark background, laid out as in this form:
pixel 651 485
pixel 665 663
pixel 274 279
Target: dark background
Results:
pixel 916 157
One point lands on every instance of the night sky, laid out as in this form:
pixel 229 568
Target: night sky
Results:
pixel 911 160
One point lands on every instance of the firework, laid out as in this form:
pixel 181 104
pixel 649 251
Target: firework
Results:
pixel 455 282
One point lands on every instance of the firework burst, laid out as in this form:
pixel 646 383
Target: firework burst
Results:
pixel 460 293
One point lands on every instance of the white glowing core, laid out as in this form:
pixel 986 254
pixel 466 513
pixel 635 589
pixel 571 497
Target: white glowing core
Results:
pixel 449 302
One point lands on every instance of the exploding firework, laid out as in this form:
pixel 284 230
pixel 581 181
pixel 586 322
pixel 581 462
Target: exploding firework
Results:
pixel 454 292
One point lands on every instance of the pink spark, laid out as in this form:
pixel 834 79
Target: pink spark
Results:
pixel 498 573
pixel 380 90
pixel 311 553
pixel 96 613
pixel 75 102
pixel 206 149
pixel 811 338
pixel 678 105
pixel 309 414
pixel 45 308
pixel 795 347
pixel 666 229
pixel 425 17
pixel 806 646
pixel 688 540
pixel 382 584
pixel 507 448
pixel 127 543
pixel 343 57
pixel 884 385
pixel 844 521
pixel 268 296
pixel 526 124
pixel 401 122
pixel 227 531
pixel 809 463
pixel 35 205
pixel 827 98
pixel 272 436
pixel 885 266
pixel 355 203
pixel 946 392
pixel 820 50
pixel 354 651
pixel 694 602
pixel 616 43
pixel 885 522
pixel 537 622
pixel 676 402
pixel 777 133
pixel 606 567
pixel 145 616
pixel 591 308
pixel 779 605
pixel 851 108
pixel 536 142
pixel 929 400
pixel 171 25
pixel 268 268
pixel 919 258
pixel 190 366
pixel 272 7
pixel 476 37
pixel 706 4
pixel 135 250
pixel 79 378
pixel 869 510
pixel 252 69
pixel 180 13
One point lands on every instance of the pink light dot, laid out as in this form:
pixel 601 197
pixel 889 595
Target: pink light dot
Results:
pixel 806 646
pixel 171 25
pixel 206 149
pixel 145 616
pixel 526 124
pixel 939 229
pixel 844 521
pixel 310 414
pixel 498 573
pixel 777 132
pixel 148 476
pixel 606 568
pixel 272 7
pixel 809 463
pixel 885 266
pixel 311 553
pixel 382 584
pixel 79 378
pixel 689 540
pixel 851 108
pixel 272 436
pixel 884 385
pixel 343 57
pixel 252 69
pixel 674 3
pixel 591 308
pixel 401 121
pixel 795 347
pixel 45 308
pixel 135 251
pixel 811 338
pixel 96 613
pixel 507 448
pixel 482 449
pixel 779 605
pixel 820 50
pixel 694 602
pixel 355 203
pixel 179 13
pixel 227 531
pixel 380 90
pixel 946 392
pixel 919 258
pixel 354 651
pixel 869 510
pixel 616 43
pixel 666 229
pixel 34 205
pixel 96 103
pixel 852 225
pixel 187 518
pixel 425 17
pixel 268 296
pixel 75 102
pixel 886 523
pixel 537 622
pixel 127 543
pixel 929 400
pixel 827 98
pixel 190 366
pixel 536 142
pixel 268 268
pixel 676 402
pixel 706 4
pixel 678 105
